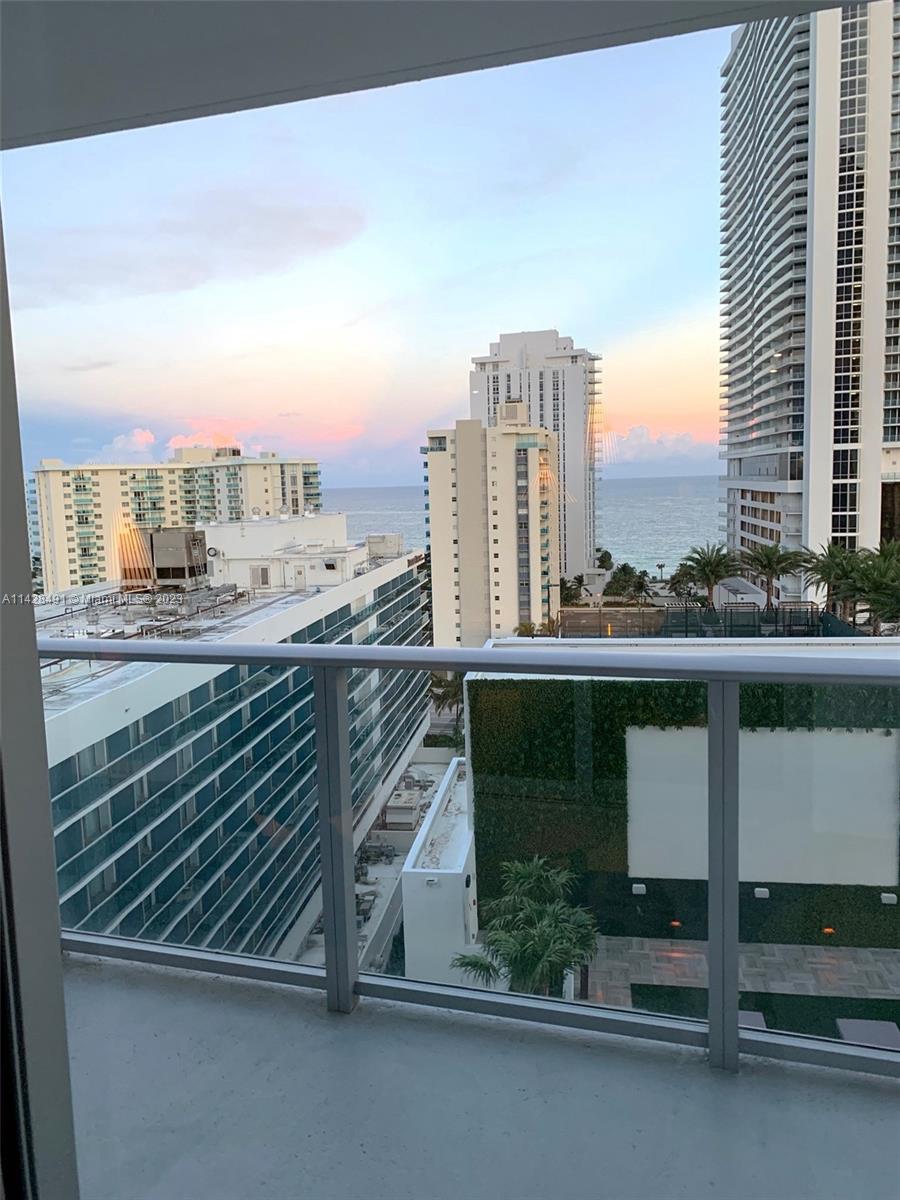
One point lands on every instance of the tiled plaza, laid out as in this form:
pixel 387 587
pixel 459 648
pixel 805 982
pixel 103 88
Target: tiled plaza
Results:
pixel 764 967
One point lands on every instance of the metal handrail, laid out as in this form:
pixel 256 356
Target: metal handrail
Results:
pixel 333 672
pixel 796 666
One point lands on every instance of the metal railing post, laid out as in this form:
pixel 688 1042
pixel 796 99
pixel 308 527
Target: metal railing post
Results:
pixel 723 705
pixel 336 836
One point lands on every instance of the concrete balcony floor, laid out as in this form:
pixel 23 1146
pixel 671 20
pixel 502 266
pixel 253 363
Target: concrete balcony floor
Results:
pixel 192 1086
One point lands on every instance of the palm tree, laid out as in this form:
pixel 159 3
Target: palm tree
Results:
pixel 877 584
pixel 533 935
pixel 681 583
pixel 603 559
pixel 708 565
pixel 621 580
pixel 771 561
pixel 447 692
pixel 570 590
pixel 525 629
pixel 550 627
pixel 640 589
pixel 831 568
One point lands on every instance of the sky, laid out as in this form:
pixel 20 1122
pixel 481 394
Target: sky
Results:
pixel 314 278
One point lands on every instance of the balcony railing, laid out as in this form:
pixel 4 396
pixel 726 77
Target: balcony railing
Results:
pixel 711 713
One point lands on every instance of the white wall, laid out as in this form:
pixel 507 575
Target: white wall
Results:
pixel 439 921
pixel 440 914
pixel 815 806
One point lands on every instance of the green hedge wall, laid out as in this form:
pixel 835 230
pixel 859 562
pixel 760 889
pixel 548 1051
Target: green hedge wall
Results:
pixel 548 760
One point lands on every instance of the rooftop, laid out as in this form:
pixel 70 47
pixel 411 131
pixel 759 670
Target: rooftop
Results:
pixel 211 615
pixel 191 456
pixel 445 834
pixel 196 1085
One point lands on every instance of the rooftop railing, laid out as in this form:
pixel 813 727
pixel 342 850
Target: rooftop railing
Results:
pixel 710 710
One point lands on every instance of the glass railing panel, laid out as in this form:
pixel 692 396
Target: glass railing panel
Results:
pixel 216 847
pixel 819 830
pixel 203 832
pixel 552 842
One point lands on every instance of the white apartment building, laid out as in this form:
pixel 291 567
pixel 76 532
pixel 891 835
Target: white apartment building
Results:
pixel 811 280
pixel 493 520
pixel 559 386
pixel 34 531
pixel 89 514
pixel 184 796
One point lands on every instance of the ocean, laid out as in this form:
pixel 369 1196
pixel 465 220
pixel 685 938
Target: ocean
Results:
pixel 641 521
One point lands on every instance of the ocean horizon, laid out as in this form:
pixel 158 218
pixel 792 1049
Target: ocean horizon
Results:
pixel 640 521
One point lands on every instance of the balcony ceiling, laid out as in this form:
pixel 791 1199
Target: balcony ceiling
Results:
pixel 71 68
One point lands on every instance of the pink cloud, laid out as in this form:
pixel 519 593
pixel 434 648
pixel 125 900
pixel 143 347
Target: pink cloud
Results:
pixel 287 432
pixel 207 436
pixel 129 447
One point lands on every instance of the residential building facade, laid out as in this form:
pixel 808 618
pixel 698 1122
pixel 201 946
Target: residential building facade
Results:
pixel 492 503
pixel 184 797
pixel 89 514
pixel 559 386
pixel 811 281
pixel 34 533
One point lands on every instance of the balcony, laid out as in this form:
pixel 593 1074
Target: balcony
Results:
pixel 256 1089
pixel 691 943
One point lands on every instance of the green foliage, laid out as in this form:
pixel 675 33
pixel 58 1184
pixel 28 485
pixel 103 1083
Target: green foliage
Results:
pixel 629 584
pixel 831 567
pixel 603 560
pixel 708 565
pixel 447 693
pixel 876 581
pixel 444 741
pixel 549 759
pixel 570 590
pixel 621 581
pixel 681 583
pixel 771 562
pixel 869 579
pixel 533 934
pixel 640 589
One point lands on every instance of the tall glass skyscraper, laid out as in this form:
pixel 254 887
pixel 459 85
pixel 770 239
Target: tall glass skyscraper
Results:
pixel 811 291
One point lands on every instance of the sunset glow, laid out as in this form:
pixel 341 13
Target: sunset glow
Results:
pixel 314 278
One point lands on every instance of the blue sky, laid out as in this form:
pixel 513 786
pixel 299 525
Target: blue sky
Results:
pixel 315 277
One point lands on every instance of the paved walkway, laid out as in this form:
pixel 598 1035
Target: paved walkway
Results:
pixel 764 967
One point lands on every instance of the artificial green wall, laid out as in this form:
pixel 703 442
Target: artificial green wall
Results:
pixel 548 760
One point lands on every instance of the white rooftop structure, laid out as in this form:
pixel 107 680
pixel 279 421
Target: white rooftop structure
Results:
pixel 217 614
pixel 288 553
pixel 440 901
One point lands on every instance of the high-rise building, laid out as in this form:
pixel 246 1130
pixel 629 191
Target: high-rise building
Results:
pixel 184 797
pixel 34 533
pixel 493 522
pixel 89 514
pixel 811 282
pixel 560 388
